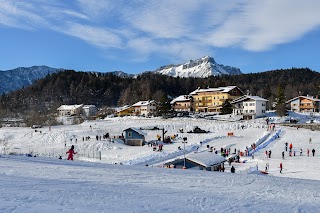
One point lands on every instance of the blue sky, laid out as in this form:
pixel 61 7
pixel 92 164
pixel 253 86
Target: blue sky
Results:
pixel 139 35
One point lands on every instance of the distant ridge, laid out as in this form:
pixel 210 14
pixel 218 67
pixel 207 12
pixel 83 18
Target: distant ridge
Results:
pixel 23 76
pixel 200 68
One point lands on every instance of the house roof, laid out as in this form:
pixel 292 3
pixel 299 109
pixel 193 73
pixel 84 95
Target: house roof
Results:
pixel 136 130
pixel 307 97
pixel 69 107
pixel 206 158
pixel 218 89
pixel 143 103
pixel 248 97
pixel 123 108
pixel 89 106
pixel 180 98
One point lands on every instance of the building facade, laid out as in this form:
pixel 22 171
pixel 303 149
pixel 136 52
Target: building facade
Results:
pixel 70 110
pixel 90 110
pixel 125 111
pixel 145 108
pixel 304 104
pixel 134 137
pixel 212 99
pixel 182 103
pixel 250 107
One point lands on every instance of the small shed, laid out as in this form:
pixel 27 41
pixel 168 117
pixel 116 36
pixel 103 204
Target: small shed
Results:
pixel 202 161
pixel 134 137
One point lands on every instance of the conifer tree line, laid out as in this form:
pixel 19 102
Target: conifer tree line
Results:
pixel 108 90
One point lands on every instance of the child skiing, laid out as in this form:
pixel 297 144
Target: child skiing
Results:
pixel 71 153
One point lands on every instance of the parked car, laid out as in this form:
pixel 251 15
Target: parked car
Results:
pixel 35 126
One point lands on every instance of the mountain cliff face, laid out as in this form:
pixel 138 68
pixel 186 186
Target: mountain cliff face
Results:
pixel 20 77
pixel 200 68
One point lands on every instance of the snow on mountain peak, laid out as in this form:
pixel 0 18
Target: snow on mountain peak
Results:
pixel 200 68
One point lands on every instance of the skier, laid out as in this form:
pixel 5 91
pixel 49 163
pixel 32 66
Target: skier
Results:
pixel 308 152
pixel 290 147
pixel 300 152
pixel 280 167
pixel 313 151
pixel 282 155
pixel 286 144
pixel 310 141
pixel 269 153
pixel 233 170
pixel 71 153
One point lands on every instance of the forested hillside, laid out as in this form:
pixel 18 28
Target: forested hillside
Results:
pixel 106 89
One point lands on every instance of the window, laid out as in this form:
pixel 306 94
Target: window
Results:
pixel 129 134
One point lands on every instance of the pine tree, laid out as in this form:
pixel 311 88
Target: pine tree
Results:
pixel 226 108
pixel 164 105
pixel 280 101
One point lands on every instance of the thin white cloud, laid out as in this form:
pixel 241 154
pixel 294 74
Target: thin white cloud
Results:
pixel 99 10
pixel 17 14
pixel 93 35
pixel 261 25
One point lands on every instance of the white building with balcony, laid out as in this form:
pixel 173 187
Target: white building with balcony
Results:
pixel 250 107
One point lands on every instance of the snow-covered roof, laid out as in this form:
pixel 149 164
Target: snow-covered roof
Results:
pixel 180 98
pixel 137 131
pixel 306 97
pixel 248 97
pixel 123 108
pixel 89 106
pixel 70 107
pixel 218 89
pixel 143 103
pixel 206 158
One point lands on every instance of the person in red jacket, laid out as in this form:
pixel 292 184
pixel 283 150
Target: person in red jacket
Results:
pixel 71 153
pixel 280 167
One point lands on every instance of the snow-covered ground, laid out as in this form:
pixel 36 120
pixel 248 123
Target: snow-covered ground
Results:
pixel 121 181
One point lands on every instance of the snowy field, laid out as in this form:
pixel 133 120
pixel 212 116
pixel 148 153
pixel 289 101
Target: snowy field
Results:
pixel 121 182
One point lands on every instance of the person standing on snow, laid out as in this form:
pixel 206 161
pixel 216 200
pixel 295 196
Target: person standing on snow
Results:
pixel 313 151
pixel 282 155
pixel 233 170
pixel 71 153
pixel 310 141
pixel 308 152
pixel 280 167
pixel 286 144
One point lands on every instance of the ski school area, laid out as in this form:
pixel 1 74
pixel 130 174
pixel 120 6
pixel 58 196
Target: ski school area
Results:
pixel 243 144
